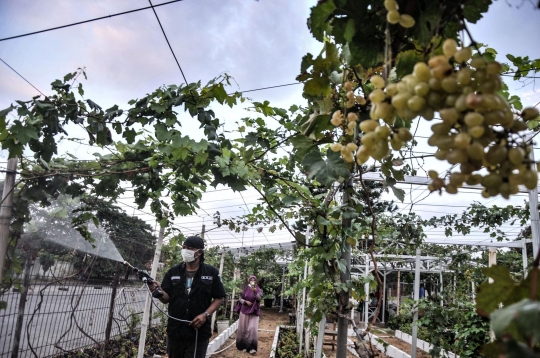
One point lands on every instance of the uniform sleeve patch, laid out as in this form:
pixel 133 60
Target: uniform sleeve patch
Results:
pixel 211 278
pixel 175 277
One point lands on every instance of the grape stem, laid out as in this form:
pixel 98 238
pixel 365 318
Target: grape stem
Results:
pixel 464 24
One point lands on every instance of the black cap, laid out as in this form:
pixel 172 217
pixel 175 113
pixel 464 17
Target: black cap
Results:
pixel 195 242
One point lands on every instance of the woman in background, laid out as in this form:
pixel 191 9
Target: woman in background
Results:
pixel 248 325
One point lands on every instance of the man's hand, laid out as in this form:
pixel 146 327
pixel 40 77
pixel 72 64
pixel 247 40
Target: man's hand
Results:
pixel 198 321
pixel 154 286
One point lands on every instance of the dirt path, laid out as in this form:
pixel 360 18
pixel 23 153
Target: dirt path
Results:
pixel 400 344
pixel 268 321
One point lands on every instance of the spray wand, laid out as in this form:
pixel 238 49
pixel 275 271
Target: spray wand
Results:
pixel 145 277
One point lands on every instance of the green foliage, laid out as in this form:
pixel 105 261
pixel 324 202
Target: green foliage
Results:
pixel 287 344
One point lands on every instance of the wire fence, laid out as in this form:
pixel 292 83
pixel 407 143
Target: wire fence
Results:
pixel 48 315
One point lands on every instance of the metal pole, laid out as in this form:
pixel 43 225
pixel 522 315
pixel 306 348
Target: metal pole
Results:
pixel 220 272
pixel 398 290
pixel 303 308
pixel 320 338
pixel 343 323
pixel 524 254
pixel 282 290
pixel 384 296
pixel 22 303
pixel 5 211
pixel 366 291
pixel 416 300
pixel 144 324
pixel 236 275
pixel 473 290
pixel 535 222
pixel 492 259
pixel 441 288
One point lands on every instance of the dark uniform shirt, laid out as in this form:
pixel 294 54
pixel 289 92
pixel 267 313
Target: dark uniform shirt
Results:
pixel 205 287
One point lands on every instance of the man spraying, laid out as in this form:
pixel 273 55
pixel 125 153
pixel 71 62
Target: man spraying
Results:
pixel 193 291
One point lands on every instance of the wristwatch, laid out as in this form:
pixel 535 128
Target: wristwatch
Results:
pixel 208 315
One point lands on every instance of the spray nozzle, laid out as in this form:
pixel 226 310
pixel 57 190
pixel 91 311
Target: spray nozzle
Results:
pixel 145 277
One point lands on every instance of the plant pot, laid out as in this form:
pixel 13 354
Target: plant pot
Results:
pixel 268 302
pixel 222 325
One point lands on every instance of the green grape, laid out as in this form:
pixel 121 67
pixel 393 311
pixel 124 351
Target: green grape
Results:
pixel 433 174
pixel 478 62
pixel 390 5
pixel 393 16
pixel 421 89
pixel 449 115
pixel 422 71
pixel 435 84
pixel 441 128
pixel 493 191
pixel 348 86
pixel 457 156
pixel 462 140
pixel 383 131
pixel 449 47
pixel 416 103
pixel 473 119
pixel 516 155
pixel 336 121
pixel 441 154
pixel 437 183
pixel 463 55
pixel 451 100
pixel 399 101
pixel 461 103
pixel 360 100
pixel 381 150
pixel 442 71
pixel 352 146
pixel 377 95
pixel 494 117
pixel 352 117
pixel 489 86
pixel 437 61
pixel 370 139
pixel 496 154
pixel 383 110
pixel 411 81
pixel 395 142
pixel 446 143
pixel 476 131
pixel 351 126
pixel 450 84
pixel 474 179
pixel 476 150
pixel 519 126
pixel 529 113
pixel 450 189
pixel 368 125
pixel 464 76
pixel 434 100
pixel 377 81
pixel 457 179
pixel 530 179
pixel 466 168
pixel 474 100
pixel 492 180
pixel 485 194
pixel 335 147
pixel 428 113
pixel 404 134
pixel 493 68
pixel 406 21
pixel 391 90
pixel 402 86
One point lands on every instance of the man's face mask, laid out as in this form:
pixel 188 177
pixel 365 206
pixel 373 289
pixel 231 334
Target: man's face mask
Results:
pixel 188 255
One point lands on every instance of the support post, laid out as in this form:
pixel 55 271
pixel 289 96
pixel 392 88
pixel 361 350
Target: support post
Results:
pixel 384 297
pixel 220 273
pixel 473 291
pixel 535 221
pixel 282 290
pixel 320 338
pixel 236 276
pixel 492 259
pixel 303 307
pixel 366 291
pixel 22 304
pixel 524 254
pixel 343 323
pixel 108 328
pixel 416 300
pixel 398 290
pixel 147 303
pixel 441 288
pixel 5 211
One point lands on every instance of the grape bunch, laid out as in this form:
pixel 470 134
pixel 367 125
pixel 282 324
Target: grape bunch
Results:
pixel 477 129
pixel 378 137
pixel 393 16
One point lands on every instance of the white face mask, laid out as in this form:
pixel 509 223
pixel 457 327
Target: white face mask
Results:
pixel 188 255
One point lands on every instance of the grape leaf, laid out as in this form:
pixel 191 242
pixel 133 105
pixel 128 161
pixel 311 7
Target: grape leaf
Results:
pixel 325 171
pixel 317 21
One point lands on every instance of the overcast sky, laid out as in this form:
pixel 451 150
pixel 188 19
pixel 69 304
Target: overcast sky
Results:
pixel 259 43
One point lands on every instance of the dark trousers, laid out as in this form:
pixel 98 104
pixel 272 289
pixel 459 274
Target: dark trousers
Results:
pixel 180 348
